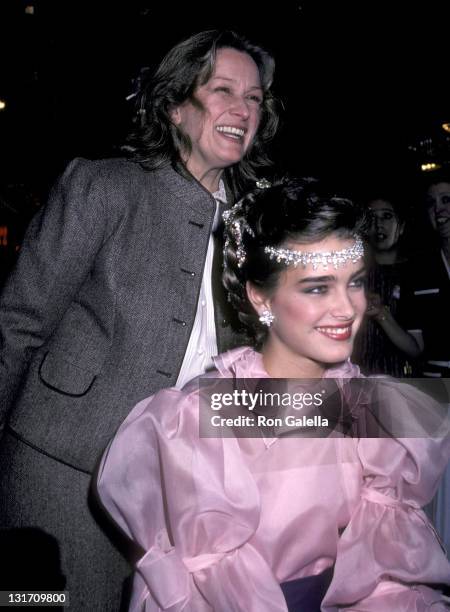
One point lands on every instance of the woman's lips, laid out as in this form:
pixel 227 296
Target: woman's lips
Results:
pixel 443 226
pixel 340 333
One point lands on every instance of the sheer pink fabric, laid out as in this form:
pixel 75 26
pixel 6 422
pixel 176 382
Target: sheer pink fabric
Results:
pixel 225 520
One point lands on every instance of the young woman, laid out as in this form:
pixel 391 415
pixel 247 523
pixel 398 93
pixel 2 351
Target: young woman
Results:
pixel 385 344
pixel 267 523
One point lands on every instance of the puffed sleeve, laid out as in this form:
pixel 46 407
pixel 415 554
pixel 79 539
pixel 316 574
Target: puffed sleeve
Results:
pixel 193 506
pixel 389 556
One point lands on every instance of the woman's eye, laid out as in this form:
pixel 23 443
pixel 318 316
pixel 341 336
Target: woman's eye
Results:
pixel 223 89
pixel 319 290
pixel 358 283
pixel 256 99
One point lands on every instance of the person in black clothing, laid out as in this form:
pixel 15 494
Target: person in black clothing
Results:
pixel 386 344
pixel 430 307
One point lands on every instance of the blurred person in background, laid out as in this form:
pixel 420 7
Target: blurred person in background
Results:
pixel 430 308
pixel 432 279
pixel 387 344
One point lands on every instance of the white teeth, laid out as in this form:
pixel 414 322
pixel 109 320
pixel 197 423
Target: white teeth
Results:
pixel 334 330
pixel 232 131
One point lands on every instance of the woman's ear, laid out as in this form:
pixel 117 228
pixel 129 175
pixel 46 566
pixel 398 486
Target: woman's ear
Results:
pixel 175 115
pixel 257 298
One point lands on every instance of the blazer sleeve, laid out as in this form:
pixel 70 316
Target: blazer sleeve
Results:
pixel 56 256
pixel 193 506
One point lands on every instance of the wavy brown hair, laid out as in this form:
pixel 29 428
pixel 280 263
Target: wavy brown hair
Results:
pixel 155 141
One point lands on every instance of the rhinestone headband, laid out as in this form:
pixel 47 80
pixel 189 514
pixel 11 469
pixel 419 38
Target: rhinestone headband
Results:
pixel 317 258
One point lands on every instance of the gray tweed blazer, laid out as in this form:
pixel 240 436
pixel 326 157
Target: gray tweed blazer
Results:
pixel 98 312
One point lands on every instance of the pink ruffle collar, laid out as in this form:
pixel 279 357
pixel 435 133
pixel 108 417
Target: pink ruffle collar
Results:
pixel 245 362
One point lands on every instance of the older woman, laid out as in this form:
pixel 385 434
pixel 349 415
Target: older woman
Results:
pixel 284 516
pixel 112 299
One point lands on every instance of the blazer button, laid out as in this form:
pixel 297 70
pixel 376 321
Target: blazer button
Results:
pixel 196 223
pixel 179 321
pixel 166 374
pixel 188 272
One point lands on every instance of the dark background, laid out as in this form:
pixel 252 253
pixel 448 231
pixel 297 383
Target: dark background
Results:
pixel 361 82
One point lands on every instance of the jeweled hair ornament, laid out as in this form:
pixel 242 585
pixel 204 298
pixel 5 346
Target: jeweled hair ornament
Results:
pixel 236 227
pixel 318 258
pixel 263 183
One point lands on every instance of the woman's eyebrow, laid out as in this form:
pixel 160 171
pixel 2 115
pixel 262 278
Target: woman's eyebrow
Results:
pixel 224 78
pixel 328 278
pixel 318 279
pixel 360 271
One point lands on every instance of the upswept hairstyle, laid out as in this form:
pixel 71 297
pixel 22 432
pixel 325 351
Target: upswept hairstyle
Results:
pixel 154 141
pixel 290 211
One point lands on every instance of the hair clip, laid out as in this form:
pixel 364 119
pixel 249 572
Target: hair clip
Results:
pixel 236 228
pixel 263 183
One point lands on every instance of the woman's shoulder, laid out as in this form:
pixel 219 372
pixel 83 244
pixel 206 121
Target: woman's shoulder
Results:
pixel 113 172
pixel 114 187
pixel 102 166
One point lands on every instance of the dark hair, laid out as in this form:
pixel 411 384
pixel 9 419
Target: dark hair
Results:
pixel 400 204
pixel 155 141
pixel 428 179
pixel 297 210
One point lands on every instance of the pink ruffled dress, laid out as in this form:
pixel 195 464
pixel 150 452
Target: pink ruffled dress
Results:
pixel 224 521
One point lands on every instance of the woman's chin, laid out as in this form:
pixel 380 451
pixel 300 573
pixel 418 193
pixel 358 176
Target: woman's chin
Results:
pixel 337 355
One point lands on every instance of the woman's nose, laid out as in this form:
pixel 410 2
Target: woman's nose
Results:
pixel 343 307
pixel 378 223
pixel 240 107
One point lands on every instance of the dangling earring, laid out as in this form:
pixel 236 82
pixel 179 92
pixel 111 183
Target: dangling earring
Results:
pixel 267 318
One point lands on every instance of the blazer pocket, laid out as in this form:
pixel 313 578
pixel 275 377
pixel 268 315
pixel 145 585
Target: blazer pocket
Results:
pixel 61 375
